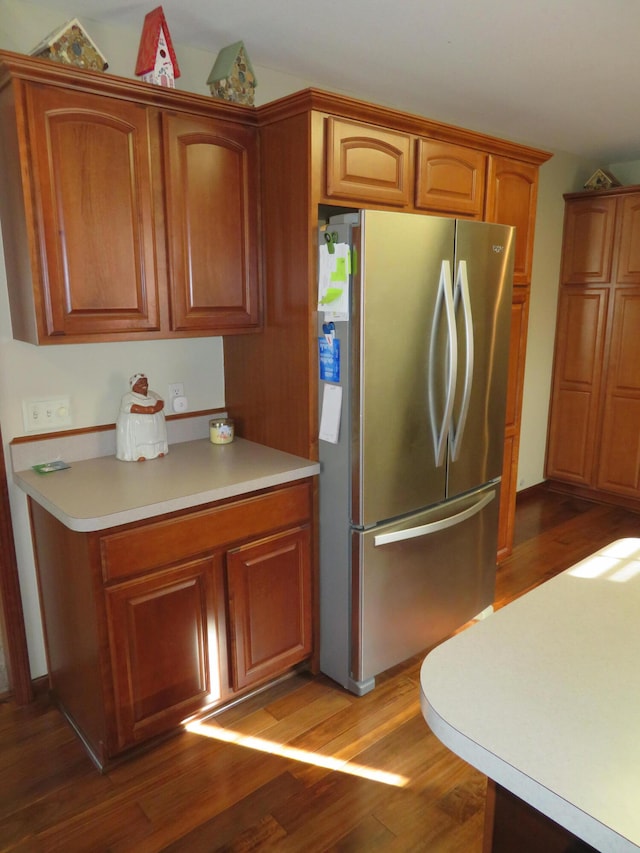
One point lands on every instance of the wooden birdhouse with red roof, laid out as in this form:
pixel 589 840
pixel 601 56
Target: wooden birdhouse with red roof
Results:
pixel 157 61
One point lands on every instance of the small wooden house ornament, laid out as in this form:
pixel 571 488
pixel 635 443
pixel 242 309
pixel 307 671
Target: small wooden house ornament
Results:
pixel 72 45
pixel 157 61
pixel 601 180
pixel 232 77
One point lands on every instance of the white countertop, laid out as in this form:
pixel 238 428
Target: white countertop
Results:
pixel 94 494
pixel 544 697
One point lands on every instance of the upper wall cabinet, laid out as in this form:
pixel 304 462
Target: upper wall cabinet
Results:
pixel 128 211
pixel 450 178
pixel 368 164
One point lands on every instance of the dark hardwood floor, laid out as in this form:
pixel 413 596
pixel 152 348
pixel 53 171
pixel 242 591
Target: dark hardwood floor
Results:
pixel 303 767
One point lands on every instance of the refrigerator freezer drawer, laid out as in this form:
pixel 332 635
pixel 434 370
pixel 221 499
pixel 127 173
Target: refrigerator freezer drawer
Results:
pixel 418 580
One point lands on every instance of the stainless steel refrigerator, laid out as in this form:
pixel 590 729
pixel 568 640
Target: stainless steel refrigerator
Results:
pixel 409 492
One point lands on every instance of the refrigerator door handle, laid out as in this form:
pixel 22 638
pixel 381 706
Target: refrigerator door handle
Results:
pixel 434 526
pixel 461 297
pixel 440 431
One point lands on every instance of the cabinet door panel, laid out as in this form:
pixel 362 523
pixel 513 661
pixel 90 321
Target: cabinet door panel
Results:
pixel 365 163
pixel 164 647
pixel 619 468
pixel 92 176
pixel 588 241
pixel 577 378
pixel 512 193
pixel 450 178
pixel 515 380
pixel 269 606
pixel 628 271
pixel 212 211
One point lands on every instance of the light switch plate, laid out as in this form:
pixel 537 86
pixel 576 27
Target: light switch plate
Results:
pixel 46 414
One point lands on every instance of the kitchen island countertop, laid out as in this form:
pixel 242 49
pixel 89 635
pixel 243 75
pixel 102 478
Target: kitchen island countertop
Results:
pixel 544 697
pixel 95 494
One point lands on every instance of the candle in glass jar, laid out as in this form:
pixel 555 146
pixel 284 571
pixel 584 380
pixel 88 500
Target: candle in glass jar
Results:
pixel 221 431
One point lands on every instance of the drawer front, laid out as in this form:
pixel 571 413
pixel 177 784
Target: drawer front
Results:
pixel 161 543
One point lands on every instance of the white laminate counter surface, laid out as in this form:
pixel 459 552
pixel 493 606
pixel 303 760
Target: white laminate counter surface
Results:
pixel 94 494
pixel 544 697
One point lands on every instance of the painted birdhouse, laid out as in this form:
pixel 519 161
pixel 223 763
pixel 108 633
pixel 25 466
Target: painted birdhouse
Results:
pixel 232 77
pixel 157 61
pixel 72 45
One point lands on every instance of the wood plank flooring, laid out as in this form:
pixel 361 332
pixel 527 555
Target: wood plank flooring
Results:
pixel 305 766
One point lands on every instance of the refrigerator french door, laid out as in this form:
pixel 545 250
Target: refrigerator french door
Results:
pixel 409 494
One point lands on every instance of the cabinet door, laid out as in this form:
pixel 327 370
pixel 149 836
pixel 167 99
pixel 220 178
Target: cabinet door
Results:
pixel 619 463
pixel 577 381
pixel 365 163
pixel 515 381
pixel 628 268
pixel 94 214
pixel 450 178
pixel 512 193
pixel 165 647
pixel 212 202
pixel 588 240
pixel 269 606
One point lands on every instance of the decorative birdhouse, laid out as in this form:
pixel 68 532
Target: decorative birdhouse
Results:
pixel 602 180
pixel 157 61
pixel 72 45
pixel 232 77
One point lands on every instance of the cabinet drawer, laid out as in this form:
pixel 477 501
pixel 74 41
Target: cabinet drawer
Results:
pixel 161 543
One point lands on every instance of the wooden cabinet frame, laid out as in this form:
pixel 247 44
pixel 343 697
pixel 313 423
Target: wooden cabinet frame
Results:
pixel 593 446
pixel 271 380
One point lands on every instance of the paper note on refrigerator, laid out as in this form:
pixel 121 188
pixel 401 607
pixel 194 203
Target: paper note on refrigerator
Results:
pixel 330 415
pixel 333 278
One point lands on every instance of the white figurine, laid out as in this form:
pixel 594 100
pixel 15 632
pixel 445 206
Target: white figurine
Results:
pixel 141 431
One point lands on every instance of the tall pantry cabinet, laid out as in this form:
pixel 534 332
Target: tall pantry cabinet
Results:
pixel 324 153
pixel 594 426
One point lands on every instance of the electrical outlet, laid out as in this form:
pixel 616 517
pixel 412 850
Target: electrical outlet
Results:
pixel 176 390
pixel 52 413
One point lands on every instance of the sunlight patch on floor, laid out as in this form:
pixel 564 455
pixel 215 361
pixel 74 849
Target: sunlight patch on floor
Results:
pixel 326 761
pixel 618 562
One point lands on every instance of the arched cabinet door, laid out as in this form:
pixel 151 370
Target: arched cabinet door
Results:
pixel 212 214
pixel 589 225
pixel 94 243
pixel 450 178
pixel 512 193
pixel 368 164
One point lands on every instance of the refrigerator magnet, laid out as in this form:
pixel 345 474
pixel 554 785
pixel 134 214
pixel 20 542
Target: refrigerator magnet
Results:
pixel 329 355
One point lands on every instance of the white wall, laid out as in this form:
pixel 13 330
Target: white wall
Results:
pixel 95 375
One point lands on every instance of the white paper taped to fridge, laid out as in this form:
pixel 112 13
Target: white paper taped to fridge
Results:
pixel 333 278
pixel 330 416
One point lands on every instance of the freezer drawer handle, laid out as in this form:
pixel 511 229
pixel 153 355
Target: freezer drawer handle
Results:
pixel 434 526
pixel 462 297
pixel 440 432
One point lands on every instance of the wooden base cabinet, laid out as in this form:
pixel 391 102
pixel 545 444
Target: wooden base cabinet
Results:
pixel 594 426
pixel 150 623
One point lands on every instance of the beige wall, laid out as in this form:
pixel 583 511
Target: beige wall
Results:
pixel 95 375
